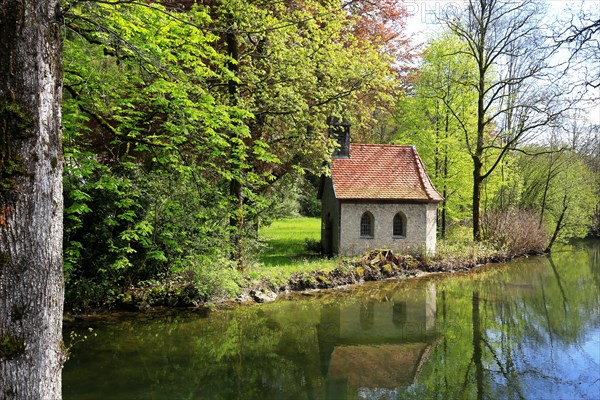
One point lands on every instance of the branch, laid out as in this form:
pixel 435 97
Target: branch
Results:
pixel 106 125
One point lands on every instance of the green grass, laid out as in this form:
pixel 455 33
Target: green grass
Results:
pixel 285 251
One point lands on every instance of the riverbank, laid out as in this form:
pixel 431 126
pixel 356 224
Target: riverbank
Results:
pixel 289 262
pixel 376 265
pixel 379 265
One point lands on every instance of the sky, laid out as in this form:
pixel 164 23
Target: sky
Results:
pixel 422 23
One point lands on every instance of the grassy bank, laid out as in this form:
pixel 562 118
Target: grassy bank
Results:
pixel 285 250
pixel 288 264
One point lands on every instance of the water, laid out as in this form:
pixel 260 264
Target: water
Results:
pixel 529 329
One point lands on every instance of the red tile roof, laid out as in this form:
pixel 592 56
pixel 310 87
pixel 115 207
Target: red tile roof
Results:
pixel 382 172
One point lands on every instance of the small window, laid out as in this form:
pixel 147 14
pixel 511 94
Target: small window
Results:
pixel 366 225
pixel 399 228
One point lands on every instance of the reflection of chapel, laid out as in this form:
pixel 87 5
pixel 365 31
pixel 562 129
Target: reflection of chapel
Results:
pixel 378 196
pixel 374 348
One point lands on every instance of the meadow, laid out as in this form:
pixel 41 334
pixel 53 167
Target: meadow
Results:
pixel 286 251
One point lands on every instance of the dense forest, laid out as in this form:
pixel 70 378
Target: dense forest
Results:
pixel 187 125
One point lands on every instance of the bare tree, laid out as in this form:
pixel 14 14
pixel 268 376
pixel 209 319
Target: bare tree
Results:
pixel 517 95
pixel 31 205
pixel 581 35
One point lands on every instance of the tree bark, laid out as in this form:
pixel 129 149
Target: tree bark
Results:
pixel 477 182
pixel 31 204
pixel 559 224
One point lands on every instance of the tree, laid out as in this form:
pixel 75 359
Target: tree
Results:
pixel 516 94
pixel 31 205
pixel 582 38
pixel 559 185
pixel 290 66
pixel 591 154
pixel 146 149
pixel 423 119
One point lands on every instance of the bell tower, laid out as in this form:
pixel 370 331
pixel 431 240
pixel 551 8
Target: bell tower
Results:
pixel 340 131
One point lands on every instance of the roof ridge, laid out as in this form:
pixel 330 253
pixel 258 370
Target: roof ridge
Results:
pixel 408 146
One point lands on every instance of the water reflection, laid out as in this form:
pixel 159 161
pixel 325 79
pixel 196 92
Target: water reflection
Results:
pixel 377 345
pixel 530 329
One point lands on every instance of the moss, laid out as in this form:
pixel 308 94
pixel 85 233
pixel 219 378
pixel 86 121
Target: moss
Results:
pixel 412 263
pixel 16 124
pixel 14 166
pixel 21 122
pixel 11 168
pixel 11 346
pixel 9 392
pixel 323 279
pixel 4 258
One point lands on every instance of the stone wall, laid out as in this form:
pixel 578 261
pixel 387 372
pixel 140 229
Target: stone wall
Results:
pixel 330 210
pixel 420 228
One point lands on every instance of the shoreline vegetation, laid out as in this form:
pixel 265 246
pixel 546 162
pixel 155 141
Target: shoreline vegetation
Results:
pixel 287 265
pixel 375 265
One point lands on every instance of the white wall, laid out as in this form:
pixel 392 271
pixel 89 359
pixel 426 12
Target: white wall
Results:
pixel 420 228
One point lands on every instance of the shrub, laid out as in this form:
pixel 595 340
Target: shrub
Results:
pixel 516 232
pixel 215 278
pixel 312 245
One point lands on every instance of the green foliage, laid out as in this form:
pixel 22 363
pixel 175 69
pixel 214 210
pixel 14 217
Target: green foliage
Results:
pixel 146 150
pixel 424 119
pixel 177 146
pixel 560 186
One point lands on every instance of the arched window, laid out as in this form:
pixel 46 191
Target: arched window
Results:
pixel 399 225
pixel 366 225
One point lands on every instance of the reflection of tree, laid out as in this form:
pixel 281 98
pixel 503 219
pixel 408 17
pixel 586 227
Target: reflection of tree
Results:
pixel 477 351
pixel 500 330
pixel 594 261
pixel 560 286
pixel 520 323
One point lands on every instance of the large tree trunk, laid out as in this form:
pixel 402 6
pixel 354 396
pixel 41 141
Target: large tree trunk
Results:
pixel 31 205
pixel 477 182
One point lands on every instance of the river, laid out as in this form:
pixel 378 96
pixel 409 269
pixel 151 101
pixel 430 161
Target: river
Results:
pixel 529 329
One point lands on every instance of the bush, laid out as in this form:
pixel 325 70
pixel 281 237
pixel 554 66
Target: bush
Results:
pixel 312 246
pixel 125 225
pixel 310 206
pixel 516 232
pixel 214 278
